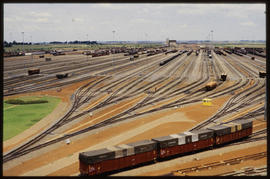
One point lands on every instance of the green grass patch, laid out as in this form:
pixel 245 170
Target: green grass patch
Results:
pixel 18 118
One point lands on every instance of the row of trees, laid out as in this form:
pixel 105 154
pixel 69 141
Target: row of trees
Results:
pixel 74 42
pixel 10 44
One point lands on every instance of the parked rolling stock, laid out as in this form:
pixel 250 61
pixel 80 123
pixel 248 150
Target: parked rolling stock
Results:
pixel 169 59
pixel 223 77
pixel 113 158
pixel 61 75
pixel 33 71
pixel 262 74
pixel 211 85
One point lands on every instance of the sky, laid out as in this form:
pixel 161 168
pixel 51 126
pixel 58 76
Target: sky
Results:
pixel 133 22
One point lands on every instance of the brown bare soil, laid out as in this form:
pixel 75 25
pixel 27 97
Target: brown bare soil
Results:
pixel 216 158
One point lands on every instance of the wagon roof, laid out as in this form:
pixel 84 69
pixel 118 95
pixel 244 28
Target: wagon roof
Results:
pixel 163 138
pixel 96 152
pixel 218 127
pixel 143 142
pixel 202 131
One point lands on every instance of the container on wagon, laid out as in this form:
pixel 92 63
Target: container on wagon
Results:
pixel 232 126
pixel 187 136
pixel 143 146
pixel 166 141
pixel 204 134
pixel 194 137
pixel 221 130
pixel 244 123
pixel 127 150
pixel 96 156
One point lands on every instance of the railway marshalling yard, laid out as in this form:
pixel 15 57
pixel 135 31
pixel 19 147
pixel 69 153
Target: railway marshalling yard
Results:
pixel 111 100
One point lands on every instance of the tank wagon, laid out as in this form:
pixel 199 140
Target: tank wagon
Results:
pixel 33 71
pixel 211 85
pixel 118 157
pixel 61 75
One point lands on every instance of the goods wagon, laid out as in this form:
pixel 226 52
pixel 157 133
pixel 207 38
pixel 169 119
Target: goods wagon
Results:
pixel 33 71
pixel 231 131
pixel 181 143
pixel 117 157
pixel 262 74
pixel 126 155
pixel 211 85
pixel 87 53
pixel 62 75
pixel 41 56
pixel 48 59
pixel 223 77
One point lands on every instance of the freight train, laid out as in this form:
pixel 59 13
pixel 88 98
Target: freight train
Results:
pixel 115 158
pixel 170 59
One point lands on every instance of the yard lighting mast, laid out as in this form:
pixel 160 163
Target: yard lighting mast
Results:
pixel 212 34
pixel 23 40
pixel 113 58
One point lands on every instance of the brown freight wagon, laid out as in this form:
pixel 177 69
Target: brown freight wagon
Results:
pixel 184 142
pixel 232 131
pixel 222 134
pixel 33 71
pixel 117 157
pixel 243 128
pixel 202 139
pixel 211 85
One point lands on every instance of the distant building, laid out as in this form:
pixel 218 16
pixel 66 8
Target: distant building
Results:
pixel 172 43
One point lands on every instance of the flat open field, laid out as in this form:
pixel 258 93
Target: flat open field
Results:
pixel 19 117
pixel 110 100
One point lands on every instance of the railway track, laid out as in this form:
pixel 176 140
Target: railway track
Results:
pixel 86 93
pixel 213 165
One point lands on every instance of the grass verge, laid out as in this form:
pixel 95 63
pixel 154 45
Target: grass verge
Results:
pixel 18 118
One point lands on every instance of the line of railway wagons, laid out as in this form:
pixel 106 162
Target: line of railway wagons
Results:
pixel 114 158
